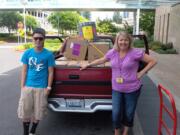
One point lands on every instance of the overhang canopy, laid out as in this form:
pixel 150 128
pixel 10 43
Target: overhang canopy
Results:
pixel 91 5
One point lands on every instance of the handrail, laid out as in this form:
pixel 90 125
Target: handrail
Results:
pixel 173 114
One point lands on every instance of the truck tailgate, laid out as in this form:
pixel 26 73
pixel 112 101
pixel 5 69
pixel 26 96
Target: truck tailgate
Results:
pixel 93 82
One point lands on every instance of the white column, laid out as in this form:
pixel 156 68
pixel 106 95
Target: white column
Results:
pixel 37 14
pixel 134 21
pixel 43 15
pixel 24 3
pixel 137 21
pixel 24 14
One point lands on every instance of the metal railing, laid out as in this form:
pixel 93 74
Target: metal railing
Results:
pixel 163 108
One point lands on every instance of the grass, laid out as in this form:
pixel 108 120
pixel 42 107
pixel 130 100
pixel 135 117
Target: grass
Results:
pixel 49 44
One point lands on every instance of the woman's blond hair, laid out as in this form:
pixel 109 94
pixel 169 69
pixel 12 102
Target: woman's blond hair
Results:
pixel 123 34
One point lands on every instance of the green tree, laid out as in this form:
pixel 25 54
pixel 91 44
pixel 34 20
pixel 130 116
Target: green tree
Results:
pixel 117 18
pixel 9 19
pixel 65 21
pixel 147 20
pixel 106 26
pixel 31 22
pixel 127 28
pixel 86 14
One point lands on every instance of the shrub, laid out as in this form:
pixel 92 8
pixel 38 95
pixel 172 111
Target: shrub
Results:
pixel 24 46
pixel 171 51
pixel 138 43
pixel 168 51
pixel 167 46
pixel 52 41
pixel 8 37
pixel 4 35
pixel 52 46
pixel 150 38
pixel 155 45
pixel 163 48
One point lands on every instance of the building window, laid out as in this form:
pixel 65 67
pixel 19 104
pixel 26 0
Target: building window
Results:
pixel 125 14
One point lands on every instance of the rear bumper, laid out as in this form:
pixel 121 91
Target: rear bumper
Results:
pixel 89 105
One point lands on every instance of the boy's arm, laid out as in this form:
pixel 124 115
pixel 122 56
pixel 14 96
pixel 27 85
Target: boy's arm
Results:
pixel 23 75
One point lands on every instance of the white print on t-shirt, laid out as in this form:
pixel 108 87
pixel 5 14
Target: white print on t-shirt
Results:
pixel 33 62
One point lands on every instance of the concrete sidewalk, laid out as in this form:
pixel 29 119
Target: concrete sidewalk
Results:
pixel 9 59
pixel 9 45
pixel 167 73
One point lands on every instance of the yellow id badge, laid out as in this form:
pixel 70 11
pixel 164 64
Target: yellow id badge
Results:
pixel 119 80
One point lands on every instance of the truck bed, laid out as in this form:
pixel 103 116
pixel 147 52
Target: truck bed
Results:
pixel 70 82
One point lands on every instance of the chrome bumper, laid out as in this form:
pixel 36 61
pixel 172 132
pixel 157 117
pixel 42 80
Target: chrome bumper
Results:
pixel 89 105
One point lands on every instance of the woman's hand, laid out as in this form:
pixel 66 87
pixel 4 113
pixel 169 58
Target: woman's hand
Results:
pixel 139 75
pixel 84 66
pixel 94 63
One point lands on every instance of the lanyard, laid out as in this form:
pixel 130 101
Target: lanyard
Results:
pixel 122 62
pixel 120 79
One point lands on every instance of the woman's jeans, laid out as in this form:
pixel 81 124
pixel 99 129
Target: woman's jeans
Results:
pixel 123 108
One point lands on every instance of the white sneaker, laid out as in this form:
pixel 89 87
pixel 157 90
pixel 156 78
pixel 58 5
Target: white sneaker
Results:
pixel 32 134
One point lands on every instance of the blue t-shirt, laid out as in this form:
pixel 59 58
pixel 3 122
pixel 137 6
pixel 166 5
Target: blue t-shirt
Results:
pixel 37 67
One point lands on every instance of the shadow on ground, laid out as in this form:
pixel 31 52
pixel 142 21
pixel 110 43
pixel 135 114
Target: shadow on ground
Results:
pixel 75 124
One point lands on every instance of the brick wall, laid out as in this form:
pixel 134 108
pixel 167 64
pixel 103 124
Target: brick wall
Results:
pixel 162 23
pixel 174 27
pixel 167 25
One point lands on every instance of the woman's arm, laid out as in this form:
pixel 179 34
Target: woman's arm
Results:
pixel 94 63
pixel 150 63
pixel 23 75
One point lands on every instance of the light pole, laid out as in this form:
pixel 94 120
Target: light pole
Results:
pixel 24 2
pixel 58 25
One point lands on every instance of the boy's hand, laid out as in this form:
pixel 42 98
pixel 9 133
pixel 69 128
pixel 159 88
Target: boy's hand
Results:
pixel 47 91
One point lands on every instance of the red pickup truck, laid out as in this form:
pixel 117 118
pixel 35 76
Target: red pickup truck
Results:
pixel 84 91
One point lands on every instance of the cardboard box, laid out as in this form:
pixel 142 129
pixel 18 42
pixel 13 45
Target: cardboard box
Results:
pixel 101 65
pixel 61 63
pixel 62 59
pixel 97 50
pixel 73 63
pixel 76 48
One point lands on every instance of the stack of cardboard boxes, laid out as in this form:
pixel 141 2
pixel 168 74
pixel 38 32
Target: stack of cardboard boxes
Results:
pixel 79 51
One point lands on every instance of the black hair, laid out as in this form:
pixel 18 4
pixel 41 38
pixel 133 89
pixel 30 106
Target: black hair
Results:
pixel 39 31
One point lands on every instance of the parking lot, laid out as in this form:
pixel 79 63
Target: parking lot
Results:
pixel 99 123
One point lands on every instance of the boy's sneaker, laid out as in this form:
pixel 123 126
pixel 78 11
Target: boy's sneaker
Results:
pixel 32 134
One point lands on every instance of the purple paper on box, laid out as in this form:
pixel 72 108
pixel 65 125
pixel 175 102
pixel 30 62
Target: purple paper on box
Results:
pixel 76 49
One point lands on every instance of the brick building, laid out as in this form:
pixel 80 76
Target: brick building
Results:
pixel 167 25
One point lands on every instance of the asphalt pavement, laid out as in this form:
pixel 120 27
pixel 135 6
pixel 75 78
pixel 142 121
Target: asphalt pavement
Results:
pixel 146 121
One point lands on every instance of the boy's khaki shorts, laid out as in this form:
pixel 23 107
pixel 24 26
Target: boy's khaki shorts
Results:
pixel 32 103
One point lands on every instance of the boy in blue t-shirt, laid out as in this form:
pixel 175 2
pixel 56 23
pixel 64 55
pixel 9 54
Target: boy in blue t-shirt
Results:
pixel 36 81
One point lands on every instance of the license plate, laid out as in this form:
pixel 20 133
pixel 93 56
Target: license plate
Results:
pixel 75 103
